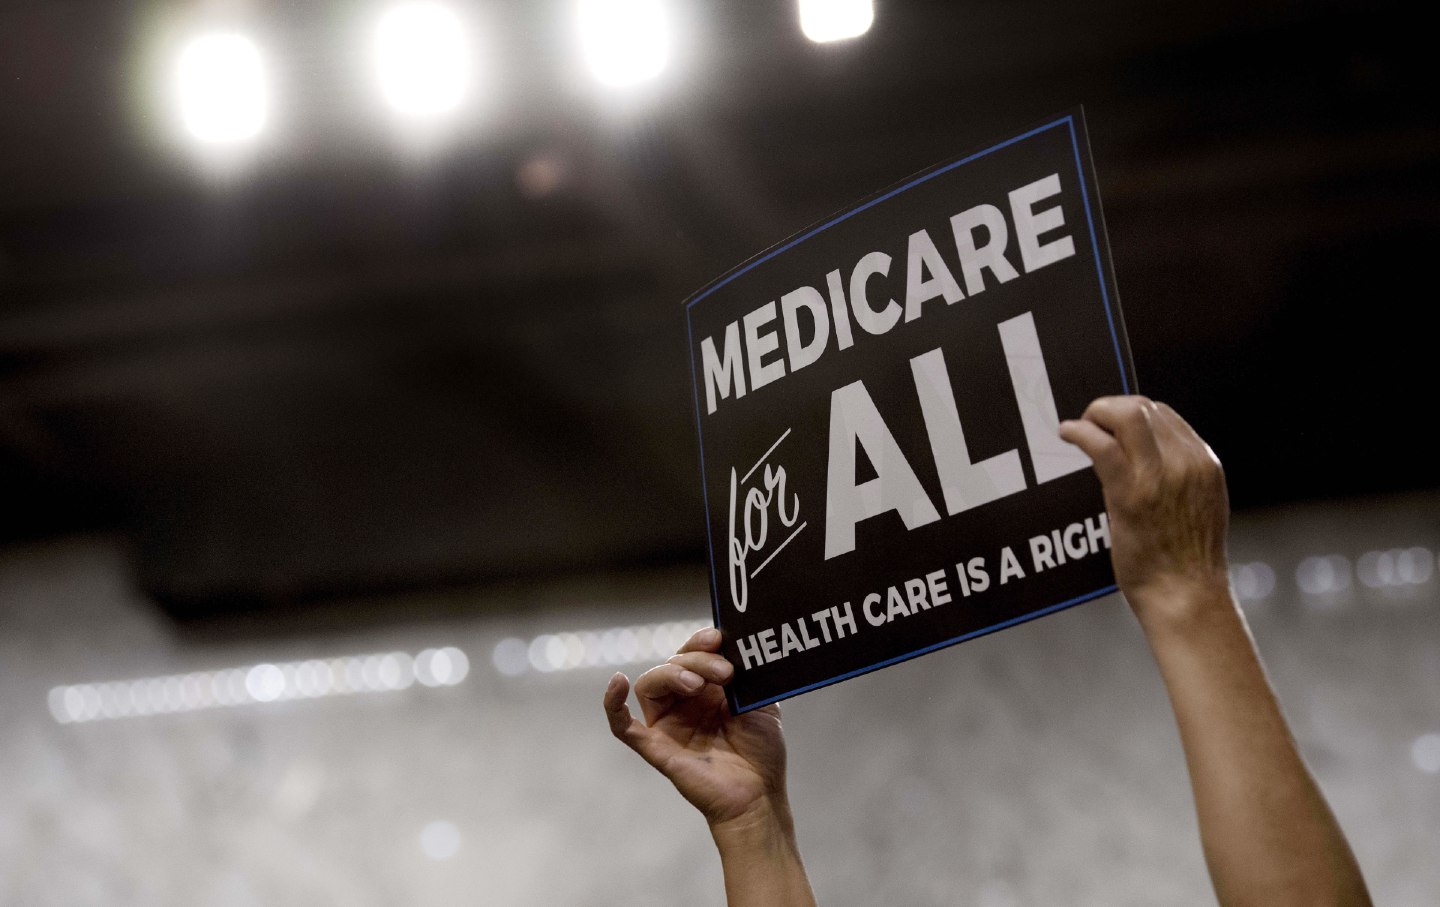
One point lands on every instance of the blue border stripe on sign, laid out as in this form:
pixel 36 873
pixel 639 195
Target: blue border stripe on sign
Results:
pixel 1068 121
pixel 704 485
pixel 875 201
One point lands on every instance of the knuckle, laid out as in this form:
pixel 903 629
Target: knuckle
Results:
pixel 1136 410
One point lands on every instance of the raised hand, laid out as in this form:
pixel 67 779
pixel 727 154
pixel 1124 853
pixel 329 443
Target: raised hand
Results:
pixel 727 766
pixel 730 767
pixel 1268 835
pixel 1166 497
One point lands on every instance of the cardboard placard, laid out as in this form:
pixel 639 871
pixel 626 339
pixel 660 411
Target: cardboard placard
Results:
pixel 877 400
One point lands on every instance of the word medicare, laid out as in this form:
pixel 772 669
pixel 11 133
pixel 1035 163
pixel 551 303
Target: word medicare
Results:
pixel 981 236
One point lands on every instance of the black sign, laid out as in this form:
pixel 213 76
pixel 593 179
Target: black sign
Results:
pixel 877 401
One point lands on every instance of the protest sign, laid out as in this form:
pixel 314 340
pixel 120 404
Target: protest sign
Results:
pixel 877 401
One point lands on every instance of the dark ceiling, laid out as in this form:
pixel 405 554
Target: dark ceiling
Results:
pixel 344 368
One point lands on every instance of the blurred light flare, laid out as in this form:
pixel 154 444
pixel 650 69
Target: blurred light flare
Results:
pixel 1323 575
pixel 440 840
pixel 1425 753
pixel 222 89
pixel 511 657
pixel 612 647
pixel 423 59
pixel 1253 582
pixel 260 683
pixel 823 21
pixel 1396 568
pixel 625 42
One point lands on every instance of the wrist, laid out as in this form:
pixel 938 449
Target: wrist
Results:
pixel 1181 607
pixel 767 825
pixel 760 858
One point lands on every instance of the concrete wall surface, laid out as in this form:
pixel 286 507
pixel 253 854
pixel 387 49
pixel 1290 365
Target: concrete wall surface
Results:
pixel 1039 766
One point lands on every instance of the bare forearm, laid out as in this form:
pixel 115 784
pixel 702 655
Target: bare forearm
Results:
pixel 762 862
pixel 1269 837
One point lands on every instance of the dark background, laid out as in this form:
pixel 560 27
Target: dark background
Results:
pixel 343 370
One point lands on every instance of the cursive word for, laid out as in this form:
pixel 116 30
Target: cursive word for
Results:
pixel 754 521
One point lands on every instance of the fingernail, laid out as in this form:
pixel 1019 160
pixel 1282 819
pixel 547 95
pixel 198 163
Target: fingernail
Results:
pixel 691 681
pixel 709 636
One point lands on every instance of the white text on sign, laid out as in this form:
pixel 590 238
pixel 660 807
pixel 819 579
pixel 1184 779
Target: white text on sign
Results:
pixel 927 277
pixel 855 420
pixel 754 522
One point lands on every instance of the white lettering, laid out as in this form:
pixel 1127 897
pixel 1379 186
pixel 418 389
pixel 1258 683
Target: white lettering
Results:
pixel 1051 457
pixel 800 353
pixel 975 259
pixel 758 345
pixel 722 373
pixel 964 484
pixel 919 289
pixel 876 321
pixel 854 419
pixel 1029 224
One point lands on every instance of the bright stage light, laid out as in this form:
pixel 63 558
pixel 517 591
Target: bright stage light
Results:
pixel 624 41
pixel 422 56
pixel 222 89
pixel 835 20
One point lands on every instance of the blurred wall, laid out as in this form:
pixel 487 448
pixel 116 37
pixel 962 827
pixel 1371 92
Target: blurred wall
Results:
pixel 1036 766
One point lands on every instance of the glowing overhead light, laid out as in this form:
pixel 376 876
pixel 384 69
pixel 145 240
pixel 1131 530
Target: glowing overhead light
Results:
pixel 624 41
pixel 835 20
pixel 221 88
pixel 422 58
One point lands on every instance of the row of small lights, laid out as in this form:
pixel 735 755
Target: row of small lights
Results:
pixel 424 67
pixel 377 673
pixel 260 683
pixel 610 648
pixel 1319 576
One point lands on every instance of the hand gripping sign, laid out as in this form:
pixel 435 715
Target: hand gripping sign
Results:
pixel 878 401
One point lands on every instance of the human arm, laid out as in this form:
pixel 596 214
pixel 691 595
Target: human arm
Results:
pixel 731 768
pixel 1268 835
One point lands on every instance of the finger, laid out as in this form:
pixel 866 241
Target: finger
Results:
pixel 705 640
pixel 714 668
pixel 658 687
pixel 1180 435
pixel 1128 419
pixel 650 746
pixel 622 724
pixel 1100 446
